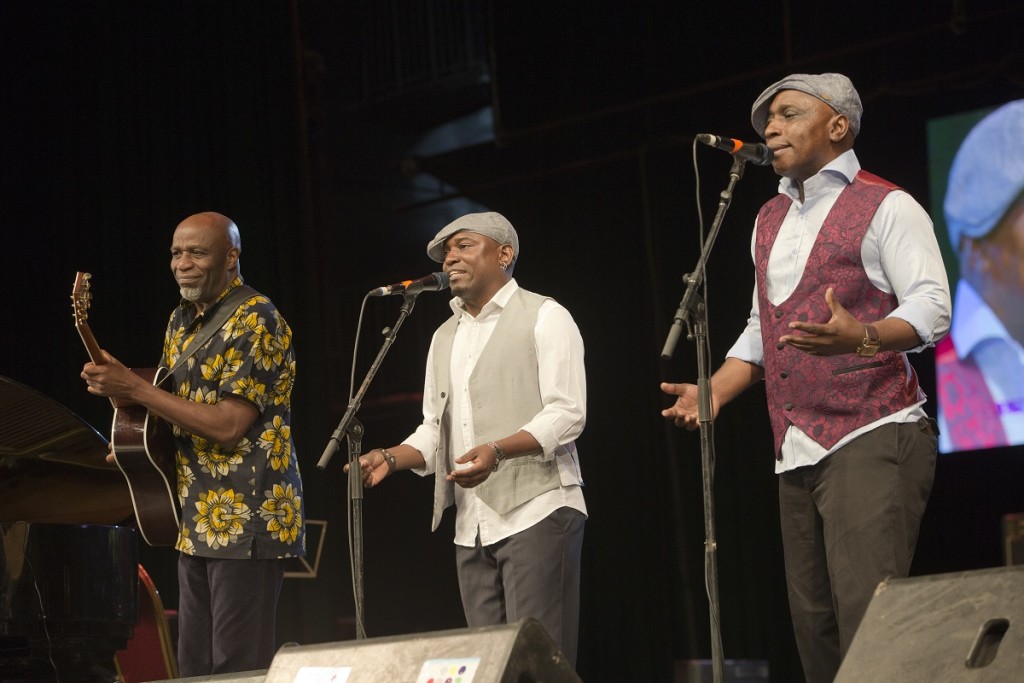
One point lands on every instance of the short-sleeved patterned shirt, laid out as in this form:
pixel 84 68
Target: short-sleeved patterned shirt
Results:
pixel 247 502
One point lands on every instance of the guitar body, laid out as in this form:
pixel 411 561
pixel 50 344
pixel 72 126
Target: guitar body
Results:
pixel 142 443
pixel 144 451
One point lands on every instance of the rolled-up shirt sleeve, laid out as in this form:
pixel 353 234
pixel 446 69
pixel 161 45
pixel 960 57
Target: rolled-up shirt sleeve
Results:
pixel 563 382
pixel 902 240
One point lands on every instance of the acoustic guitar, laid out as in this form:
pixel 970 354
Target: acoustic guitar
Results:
pixel 142 443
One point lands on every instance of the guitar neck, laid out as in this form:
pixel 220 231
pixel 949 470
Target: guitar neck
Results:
pixel 80 299
pixel 91 347
pixel 95 354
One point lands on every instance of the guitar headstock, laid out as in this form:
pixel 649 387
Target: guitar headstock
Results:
pixel 81 297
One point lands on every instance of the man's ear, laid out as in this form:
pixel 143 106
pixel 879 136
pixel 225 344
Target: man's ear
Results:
pixel 974 261
pixel 839 127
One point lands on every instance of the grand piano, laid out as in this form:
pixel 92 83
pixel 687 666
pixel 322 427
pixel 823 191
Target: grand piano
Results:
pixel 68 569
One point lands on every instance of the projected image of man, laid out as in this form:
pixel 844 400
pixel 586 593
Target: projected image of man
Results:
pixel 980 365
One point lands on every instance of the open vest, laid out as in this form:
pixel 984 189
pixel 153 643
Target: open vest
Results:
pixel 504 391
pixel 829 397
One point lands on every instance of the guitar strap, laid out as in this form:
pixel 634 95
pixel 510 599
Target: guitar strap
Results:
pixel 228 305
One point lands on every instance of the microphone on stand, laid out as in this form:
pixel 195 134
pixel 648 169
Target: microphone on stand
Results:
pixel 431 283
pixel 759 153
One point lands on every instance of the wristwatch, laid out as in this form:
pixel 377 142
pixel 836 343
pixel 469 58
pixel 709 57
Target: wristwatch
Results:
pixel 871 344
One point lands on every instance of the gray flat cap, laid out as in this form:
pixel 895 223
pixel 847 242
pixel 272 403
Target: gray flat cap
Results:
pixel 835 90
pixel 489 223
pixel 987 174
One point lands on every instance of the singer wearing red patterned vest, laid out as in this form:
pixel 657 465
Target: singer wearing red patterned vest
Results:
pixel 848 279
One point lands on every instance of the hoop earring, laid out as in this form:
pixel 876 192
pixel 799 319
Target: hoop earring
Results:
pixel 502 265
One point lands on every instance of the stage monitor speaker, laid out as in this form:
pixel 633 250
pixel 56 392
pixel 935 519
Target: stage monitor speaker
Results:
pixel 966 626
pixel 522 652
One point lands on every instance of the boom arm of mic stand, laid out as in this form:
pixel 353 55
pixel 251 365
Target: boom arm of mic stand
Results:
pixel 693 280
pixel 356 402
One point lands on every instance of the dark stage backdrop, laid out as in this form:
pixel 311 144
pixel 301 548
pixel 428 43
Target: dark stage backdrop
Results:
pixel 121 118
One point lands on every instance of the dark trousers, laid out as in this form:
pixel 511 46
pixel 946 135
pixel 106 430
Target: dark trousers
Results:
pixel 848 523
pixel 535 573
pixel 227 610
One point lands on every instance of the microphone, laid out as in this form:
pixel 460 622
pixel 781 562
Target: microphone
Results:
pixel 760 153
pixel 431 283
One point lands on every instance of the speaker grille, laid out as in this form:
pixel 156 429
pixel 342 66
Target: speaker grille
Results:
pixel 514 653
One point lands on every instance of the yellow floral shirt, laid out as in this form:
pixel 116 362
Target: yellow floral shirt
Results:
pixel 246 502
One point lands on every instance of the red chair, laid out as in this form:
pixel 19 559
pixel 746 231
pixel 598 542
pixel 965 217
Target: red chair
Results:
pixel 149 655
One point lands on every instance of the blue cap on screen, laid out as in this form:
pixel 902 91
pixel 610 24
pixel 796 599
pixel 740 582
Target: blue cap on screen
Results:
pixel 987 174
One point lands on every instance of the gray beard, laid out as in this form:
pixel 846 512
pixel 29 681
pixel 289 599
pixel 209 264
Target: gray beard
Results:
pixel 191 293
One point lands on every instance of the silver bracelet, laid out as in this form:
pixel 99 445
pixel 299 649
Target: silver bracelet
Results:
pixel 389 459
pixel 499 454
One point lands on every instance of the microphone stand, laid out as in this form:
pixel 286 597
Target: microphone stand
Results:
pixel 352 429
pixel 693 312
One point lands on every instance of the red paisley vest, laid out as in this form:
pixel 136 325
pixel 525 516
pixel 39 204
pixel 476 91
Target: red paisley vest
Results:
pixel 972 419
pixel 829 397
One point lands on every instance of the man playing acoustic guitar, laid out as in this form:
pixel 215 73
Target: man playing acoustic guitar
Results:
pixel 228 401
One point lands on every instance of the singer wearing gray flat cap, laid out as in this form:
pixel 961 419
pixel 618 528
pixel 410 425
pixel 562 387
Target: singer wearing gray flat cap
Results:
pixel 980 365
pixel 848 280
pixel 504 400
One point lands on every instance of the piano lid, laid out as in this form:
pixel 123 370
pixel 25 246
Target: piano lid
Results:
pixel 53 464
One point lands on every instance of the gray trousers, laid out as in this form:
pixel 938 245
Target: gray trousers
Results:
pixel 848 523
pixel 535 573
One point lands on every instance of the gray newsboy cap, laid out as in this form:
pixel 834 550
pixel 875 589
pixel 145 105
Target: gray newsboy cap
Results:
pixel 835 90
pixel 489 223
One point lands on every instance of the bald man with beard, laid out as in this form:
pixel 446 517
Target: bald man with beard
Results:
pixel 238 480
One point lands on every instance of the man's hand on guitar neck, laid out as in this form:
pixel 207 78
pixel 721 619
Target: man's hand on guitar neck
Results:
pixel 112 380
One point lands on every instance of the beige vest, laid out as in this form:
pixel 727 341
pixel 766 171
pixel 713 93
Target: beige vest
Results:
pixel 504 392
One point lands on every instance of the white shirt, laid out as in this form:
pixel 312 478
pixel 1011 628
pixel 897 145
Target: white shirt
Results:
pixel 974 322
pixel 900 254
pixel 563 388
